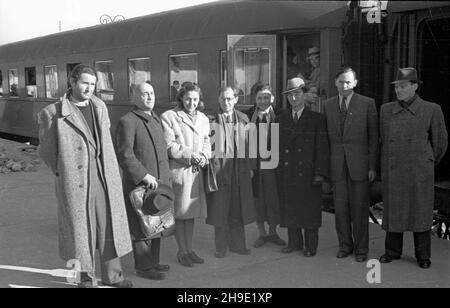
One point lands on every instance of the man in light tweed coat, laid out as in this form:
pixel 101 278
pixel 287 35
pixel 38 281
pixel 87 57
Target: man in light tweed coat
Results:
pixel 75 143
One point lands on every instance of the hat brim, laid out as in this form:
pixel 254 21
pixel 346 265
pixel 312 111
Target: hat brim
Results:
pixel 397 81
pixel 292 90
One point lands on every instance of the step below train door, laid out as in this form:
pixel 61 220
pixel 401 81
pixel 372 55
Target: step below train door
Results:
pixel 251 59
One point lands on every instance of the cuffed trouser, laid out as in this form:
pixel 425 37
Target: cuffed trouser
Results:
pixel 310 241
pixel 422 245
pixel 351 206
pixel 102 232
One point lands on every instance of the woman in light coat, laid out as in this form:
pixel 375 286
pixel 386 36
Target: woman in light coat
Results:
pixel 186 131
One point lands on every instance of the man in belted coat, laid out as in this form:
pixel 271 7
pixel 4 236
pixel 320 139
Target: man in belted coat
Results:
pixel 142 154
pixel 76 144
pixel 232 206
pixel 302 168
pixel 413 141
pixel 352 124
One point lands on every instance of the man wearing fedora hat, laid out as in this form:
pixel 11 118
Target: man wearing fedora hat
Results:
pixel 302 168
pixel 352 123
pixel 142 155
pixel 413 141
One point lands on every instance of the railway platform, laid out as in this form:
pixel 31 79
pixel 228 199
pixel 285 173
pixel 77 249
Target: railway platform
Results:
pixel 29 252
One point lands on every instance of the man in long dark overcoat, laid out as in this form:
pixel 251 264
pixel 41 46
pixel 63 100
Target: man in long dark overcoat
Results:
pixel 413 141
pixel 142 154
pixel 231 207
pixel 303 166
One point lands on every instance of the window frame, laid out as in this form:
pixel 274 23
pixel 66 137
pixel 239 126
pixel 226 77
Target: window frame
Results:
pixel 9 83
pixel 130 94
pixel 114 92
pixel 169 70
pixel 45 81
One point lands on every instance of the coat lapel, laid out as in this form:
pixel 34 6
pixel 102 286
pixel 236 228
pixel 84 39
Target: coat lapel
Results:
pixel 75 117
pixel 185 119
pixel 335 113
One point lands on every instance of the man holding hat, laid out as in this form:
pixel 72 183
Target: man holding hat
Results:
pixel 413 141
pixel 142 154
pixel 352 123
pixel 302 168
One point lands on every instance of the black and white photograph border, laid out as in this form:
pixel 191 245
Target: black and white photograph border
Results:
pixel 214 44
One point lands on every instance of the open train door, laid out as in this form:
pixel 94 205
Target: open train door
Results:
pixel 251 59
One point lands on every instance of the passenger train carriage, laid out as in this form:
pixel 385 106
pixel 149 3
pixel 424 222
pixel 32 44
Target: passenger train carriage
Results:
pixel 236 43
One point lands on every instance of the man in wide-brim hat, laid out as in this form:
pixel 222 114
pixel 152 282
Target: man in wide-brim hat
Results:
pixel 413 141
pixel 303 165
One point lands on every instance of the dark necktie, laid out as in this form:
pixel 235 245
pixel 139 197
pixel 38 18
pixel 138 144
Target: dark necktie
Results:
pixel 295 118
pixel 343 112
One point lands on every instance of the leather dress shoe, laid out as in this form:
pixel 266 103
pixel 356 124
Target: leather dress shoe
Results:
pixel 219 254
pixel 184 259
pixel 124 284
pixel 342 254
pixel 195 259
pixel 86 285
pixel 260 241
pixel 309 253
pixel 361 258
pixel 276 239
pixel 387 258
pixel 289 249
pixel 424 264
pixel 161 267
pixel 151 274
pixel 243 251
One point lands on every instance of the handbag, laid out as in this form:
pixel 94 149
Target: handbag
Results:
pixel 156 225
pixel 210 178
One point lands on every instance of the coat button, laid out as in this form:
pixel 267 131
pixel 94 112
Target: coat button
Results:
pixel 300 163
pixel 80 148
pixel 80 167
pixel 299 150
pixel 300 174
pixel 286 164
pixel 81 186
pixel 287 151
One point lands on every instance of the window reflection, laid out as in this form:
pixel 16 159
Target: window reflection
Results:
pixel 252 65
pixel 138 72
pixel 30 82
pixel 13 77
pixel 105 80
pixel 182 69
pixel 51 81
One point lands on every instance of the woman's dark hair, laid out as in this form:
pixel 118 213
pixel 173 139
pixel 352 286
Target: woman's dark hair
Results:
pixel 76 73
pixel 263 87
pixel 188 87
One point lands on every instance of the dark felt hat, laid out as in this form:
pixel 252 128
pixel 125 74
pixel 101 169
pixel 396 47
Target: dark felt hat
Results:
pixel 158 200
pixel 406 74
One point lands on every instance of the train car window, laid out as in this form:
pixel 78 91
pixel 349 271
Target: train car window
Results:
pixel 223 68
pixel 30 82
pixel 138 72
pixel 13 78
pixel 105 80
pixel 182 68
pixel 252 66
pixel 1 83
pixel 51 81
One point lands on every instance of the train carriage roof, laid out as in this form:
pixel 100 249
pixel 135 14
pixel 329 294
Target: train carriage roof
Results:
pixel 207 20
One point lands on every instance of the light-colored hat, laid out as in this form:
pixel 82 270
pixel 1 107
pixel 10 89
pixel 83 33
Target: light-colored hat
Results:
pixel 294 84
pixel 312 52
